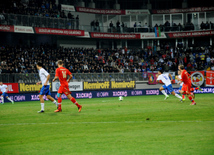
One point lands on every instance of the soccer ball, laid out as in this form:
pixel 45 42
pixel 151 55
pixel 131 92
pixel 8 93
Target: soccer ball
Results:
pixel 120 98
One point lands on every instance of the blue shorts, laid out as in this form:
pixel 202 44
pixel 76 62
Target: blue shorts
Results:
pixel 169 88
pixel 180 87
pixel 45 90
pixel 4 94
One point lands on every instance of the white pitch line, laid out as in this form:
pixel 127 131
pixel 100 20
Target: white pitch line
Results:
pixel 148 121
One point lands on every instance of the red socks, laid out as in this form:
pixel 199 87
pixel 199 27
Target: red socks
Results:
pixel 192 89
pixel 191 99
pixel 74 101
pixel 59 107
pixel 59 103
pixel 59 100
pixel 183 96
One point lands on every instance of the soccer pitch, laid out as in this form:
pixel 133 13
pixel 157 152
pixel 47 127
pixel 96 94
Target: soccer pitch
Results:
pixel 136 125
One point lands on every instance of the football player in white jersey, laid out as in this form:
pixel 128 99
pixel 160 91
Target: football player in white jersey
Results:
pixel 165 78
pixel 44 77
pixel 4 90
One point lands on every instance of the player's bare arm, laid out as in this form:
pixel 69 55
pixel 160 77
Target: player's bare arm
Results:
pixel 38 83
pixel 70 77
pixel 170 77
pixel 46 82
pixel 56 77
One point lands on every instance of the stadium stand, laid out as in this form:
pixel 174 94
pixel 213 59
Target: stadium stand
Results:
pixel 23 59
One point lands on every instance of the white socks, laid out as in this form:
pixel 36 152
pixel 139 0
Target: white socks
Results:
pixel 10 99
pixel 178 96
pixel 55 102
pixel 163 91
pixel 42 106
pixel 2 98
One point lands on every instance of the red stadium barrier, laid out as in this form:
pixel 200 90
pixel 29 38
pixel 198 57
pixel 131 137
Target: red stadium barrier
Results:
pixel 12 87
pixel 54 31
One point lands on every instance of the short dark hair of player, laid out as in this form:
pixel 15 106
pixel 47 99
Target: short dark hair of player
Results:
pixel 181 67
pixel 161 71
pixel 60 62
pixel 39 64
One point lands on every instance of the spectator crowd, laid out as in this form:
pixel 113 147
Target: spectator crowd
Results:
pixel 17 59
pixel 34 10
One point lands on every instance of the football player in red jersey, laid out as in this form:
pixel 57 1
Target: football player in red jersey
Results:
pixel 61 74
pixel 186 89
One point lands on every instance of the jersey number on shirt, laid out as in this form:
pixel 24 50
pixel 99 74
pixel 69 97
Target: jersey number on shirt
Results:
pixel 64 74
pixel 165 77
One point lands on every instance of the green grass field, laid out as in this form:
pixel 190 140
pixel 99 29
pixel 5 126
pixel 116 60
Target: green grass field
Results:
pixel 109 126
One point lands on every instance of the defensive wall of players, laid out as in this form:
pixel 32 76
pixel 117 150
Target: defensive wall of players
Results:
pixel 30 91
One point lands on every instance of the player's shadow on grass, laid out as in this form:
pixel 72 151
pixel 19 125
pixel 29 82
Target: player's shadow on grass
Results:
pixel 68 113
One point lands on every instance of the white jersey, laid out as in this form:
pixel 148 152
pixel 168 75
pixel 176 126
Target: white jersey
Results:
pixel 181 84
pixel 43 76
pixel 3 88
pixel 165 79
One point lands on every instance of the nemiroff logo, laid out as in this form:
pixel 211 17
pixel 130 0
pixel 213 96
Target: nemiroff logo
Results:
pixel 23 87
pixel 96 85
pixel 123 84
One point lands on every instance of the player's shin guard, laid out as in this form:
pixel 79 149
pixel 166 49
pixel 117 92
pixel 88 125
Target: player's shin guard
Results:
pixel 74 101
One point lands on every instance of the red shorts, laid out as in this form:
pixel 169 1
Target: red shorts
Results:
pixel 186 88
pixel 64 89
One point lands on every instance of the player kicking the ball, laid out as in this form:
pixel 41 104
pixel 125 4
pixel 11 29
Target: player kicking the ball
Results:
pixel 167 84
pixel 4 90
pixel 186 89
pixel 44 77
pixel 61 74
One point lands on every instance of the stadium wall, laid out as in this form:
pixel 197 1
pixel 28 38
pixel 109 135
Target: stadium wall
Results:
pixel 100 94
pixel 76 42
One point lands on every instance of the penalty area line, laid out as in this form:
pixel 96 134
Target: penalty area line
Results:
pixel 112 122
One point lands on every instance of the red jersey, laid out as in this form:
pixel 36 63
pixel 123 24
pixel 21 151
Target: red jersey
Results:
pixel 185 77
pixel 62 73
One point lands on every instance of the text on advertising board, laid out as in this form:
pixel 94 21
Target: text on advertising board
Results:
pixel 25 87
pixel 122 85
pixel 12 87
pixel 96 85
pixel 109 85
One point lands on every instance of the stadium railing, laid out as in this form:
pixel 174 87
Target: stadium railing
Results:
pixel 37 21
pixel 90 77
pixel 65 23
